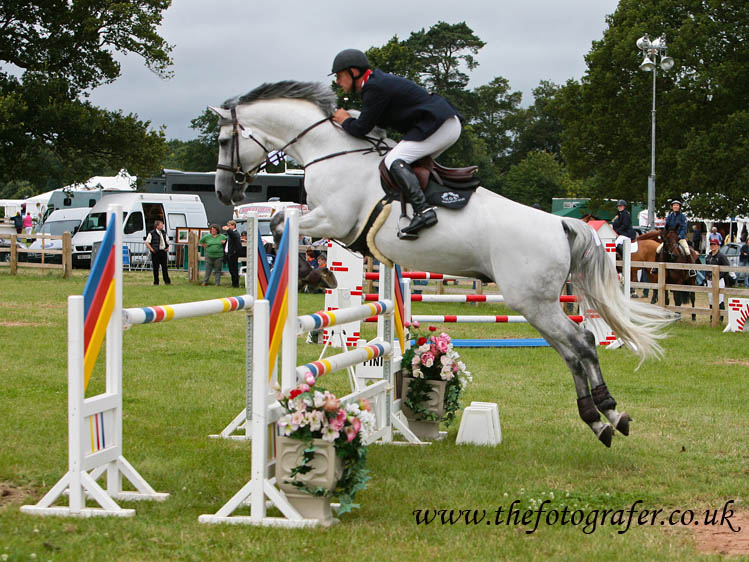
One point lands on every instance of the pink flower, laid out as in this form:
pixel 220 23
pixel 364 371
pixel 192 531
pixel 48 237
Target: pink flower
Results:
pixel 365 405
pixel 350 434
pixel 415 324
pixel 309 378
pixel 356 423
pixel 304 387
pixel 442 345
pixel 332 404
pixel 338 422
pixel 427 359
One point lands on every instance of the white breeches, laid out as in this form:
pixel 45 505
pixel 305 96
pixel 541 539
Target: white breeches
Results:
pixel 434 145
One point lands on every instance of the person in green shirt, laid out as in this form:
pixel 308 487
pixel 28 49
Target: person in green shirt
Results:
pixel 214 254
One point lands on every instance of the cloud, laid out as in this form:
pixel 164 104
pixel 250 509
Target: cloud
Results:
pixel 226 47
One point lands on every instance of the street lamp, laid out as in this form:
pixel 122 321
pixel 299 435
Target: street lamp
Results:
pixel 652 51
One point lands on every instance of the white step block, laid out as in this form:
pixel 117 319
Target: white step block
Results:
pixel 480 424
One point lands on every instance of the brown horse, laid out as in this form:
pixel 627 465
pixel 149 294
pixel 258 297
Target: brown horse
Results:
pixel 646 245
pixel 672 254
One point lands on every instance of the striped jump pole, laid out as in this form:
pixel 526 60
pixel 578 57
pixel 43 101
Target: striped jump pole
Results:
pixel 343 360
pixel 324 319
pixel 463 298
pixel 468 319
pixel 166 312
pixel 374 275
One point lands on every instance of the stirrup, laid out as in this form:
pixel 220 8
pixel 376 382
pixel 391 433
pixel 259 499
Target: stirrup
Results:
pixel 405 235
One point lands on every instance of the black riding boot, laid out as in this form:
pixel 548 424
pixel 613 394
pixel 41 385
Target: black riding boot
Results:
pixel 406 179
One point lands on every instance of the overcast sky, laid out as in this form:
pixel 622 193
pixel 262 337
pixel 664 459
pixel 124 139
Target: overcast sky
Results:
pixel 226 47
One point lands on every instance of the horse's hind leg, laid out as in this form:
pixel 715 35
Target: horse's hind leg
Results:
pixel 574 345
pixel 600 392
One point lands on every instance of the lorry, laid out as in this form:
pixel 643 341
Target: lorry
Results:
pixel 139 213
pixel 287 185
pixel 265 212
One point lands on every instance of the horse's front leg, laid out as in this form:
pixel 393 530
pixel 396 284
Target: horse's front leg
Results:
pixel 318 224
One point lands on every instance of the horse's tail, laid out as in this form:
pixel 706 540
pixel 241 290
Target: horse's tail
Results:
pixel 638 324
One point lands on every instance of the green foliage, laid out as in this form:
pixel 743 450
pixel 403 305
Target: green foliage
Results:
pixel 607 116
pixel 63 49
pixel 441 51
pixel 536 179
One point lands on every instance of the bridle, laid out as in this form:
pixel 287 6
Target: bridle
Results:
pixel 241 176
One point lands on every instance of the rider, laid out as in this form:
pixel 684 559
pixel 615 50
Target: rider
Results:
pixel 678 222
pixel 429 124
pixel 622 225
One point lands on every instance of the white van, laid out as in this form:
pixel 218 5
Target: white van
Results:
pixel 57 223
pixel 265 212
pixel 139 213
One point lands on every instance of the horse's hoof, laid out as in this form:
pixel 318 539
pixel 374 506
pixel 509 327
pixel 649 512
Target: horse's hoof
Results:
pixel 606 434
pixel 622 426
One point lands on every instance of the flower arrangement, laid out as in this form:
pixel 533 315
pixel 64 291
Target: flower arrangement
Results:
pixel 315 413
pixel 433 358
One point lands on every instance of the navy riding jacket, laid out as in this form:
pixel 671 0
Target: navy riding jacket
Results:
pixel 397 103
pixel 622 225
pixel 677 222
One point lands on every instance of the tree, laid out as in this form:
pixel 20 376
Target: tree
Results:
pixel 701 104
pixel 538 178
pixel 61 50
pixel 538 127
pixel 197 155
pixel 441 51
pixel 494 111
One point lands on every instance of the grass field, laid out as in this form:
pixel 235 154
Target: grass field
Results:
pixel 689 446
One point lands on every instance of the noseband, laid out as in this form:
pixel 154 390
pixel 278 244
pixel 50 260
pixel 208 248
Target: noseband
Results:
pixel 241 176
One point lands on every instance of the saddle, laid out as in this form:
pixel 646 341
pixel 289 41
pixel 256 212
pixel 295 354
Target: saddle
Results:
pixel 427 169
pixel 446 187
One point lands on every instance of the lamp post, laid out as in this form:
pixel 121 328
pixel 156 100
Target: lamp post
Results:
pixel 655 49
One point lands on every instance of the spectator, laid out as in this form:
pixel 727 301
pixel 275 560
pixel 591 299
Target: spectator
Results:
pixel 715 257
pixel 233 245
pixel 322 261
pixel 18 222
pixel 622 225
pixel 28 223
pixel 744 260
pixel 715 235
pixel 158 244
pixel 311 258
pixel 697 237
pixel 214 254
pixel 243 245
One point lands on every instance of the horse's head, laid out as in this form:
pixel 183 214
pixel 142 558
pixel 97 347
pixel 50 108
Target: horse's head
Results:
pixel 244 148
pixel 238 160
pixel 671 244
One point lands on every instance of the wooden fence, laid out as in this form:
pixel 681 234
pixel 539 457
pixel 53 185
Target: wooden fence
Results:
pixel 715 291
pixel 18 255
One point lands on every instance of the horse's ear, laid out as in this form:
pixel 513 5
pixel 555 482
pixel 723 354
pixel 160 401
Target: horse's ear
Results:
pixel 222 113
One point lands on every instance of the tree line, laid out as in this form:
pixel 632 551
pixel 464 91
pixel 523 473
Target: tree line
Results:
pixel 585 138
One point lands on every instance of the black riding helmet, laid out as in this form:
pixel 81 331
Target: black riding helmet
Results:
pixel 350 58
pixel 621 203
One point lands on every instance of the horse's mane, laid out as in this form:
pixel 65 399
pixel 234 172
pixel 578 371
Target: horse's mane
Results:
pixel 316 92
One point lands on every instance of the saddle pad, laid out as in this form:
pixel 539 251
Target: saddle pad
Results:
pixel 443 196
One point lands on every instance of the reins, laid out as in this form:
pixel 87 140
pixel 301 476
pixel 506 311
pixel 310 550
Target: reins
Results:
pixel 241 176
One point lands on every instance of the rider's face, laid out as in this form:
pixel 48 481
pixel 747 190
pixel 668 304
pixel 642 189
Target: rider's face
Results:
pixel 675 207
pixel 344 80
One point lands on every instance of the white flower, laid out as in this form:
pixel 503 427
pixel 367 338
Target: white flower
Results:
pixel 319 399
pixel 418 374
pixel 330 434
pixel 423 349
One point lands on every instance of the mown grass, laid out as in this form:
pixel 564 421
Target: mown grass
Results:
pixel 689 447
